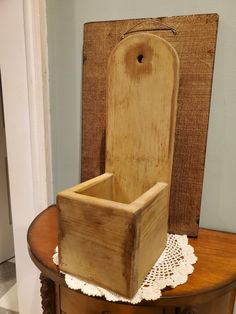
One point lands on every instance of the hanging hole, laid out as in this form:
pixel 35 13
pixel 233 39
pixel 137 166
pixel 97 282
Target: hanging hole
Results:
pixel 140 58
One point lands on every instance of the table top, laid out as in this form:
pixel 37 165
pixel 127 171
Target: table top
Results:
pixel 214 273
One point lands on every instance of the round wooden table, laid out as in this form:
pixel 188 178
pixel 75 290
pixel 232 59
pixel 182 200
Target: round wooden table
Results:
pixel 209 290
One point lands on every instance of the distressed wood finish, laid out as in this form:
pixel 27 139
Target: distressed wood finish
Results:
pixel 95 239
pixel 114 227
pixel 194 41
pixel 142 88
pixel 216 263
pixel 101 240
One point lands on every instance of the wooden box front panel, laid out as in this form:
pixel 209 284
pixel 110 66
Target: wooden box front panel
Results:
pixel 194 38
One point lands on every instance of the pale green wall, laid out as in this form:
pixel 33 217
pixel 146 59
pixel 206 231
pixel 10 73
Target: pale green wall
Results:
pixel 64 85
pixel 65 38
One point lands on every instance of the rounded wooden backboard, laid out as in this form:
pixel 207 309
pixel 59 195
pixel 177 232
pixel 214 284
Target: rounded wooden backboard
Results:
pixel 142 88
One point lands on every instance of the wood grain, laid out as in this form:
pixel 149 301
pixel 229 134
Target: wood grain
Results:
pixel 71 302
pixel 95 241
pixel 210 289
pixel 101 186
pixel 152 229
pixel 141 114
pixel 221 305
pixel 195 42
pixel 113 228
pixel 109 243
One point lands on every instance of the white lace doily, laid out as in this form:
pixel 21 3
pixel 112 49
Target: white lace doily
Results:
pixel 171 269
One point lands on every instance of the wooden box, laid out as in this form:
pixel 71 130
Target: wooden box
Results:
pixel 113 228
pixel 111 243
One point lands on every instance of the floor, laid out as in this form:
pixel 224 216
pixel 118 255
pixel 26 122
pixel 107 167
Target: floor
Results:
pixel 8 290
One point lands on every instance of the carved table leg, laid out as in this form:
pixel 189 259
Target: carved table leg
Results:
pixel 48 295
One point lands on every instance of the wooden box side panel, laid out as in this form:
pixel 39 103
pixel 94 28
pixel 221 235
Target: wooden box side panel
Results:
pixel 101 188
pixel 95 241
pixel 194 41
pixel 152 234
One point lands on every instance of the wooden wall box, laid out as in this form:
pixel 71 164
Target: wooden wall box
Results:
pixel 113 227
